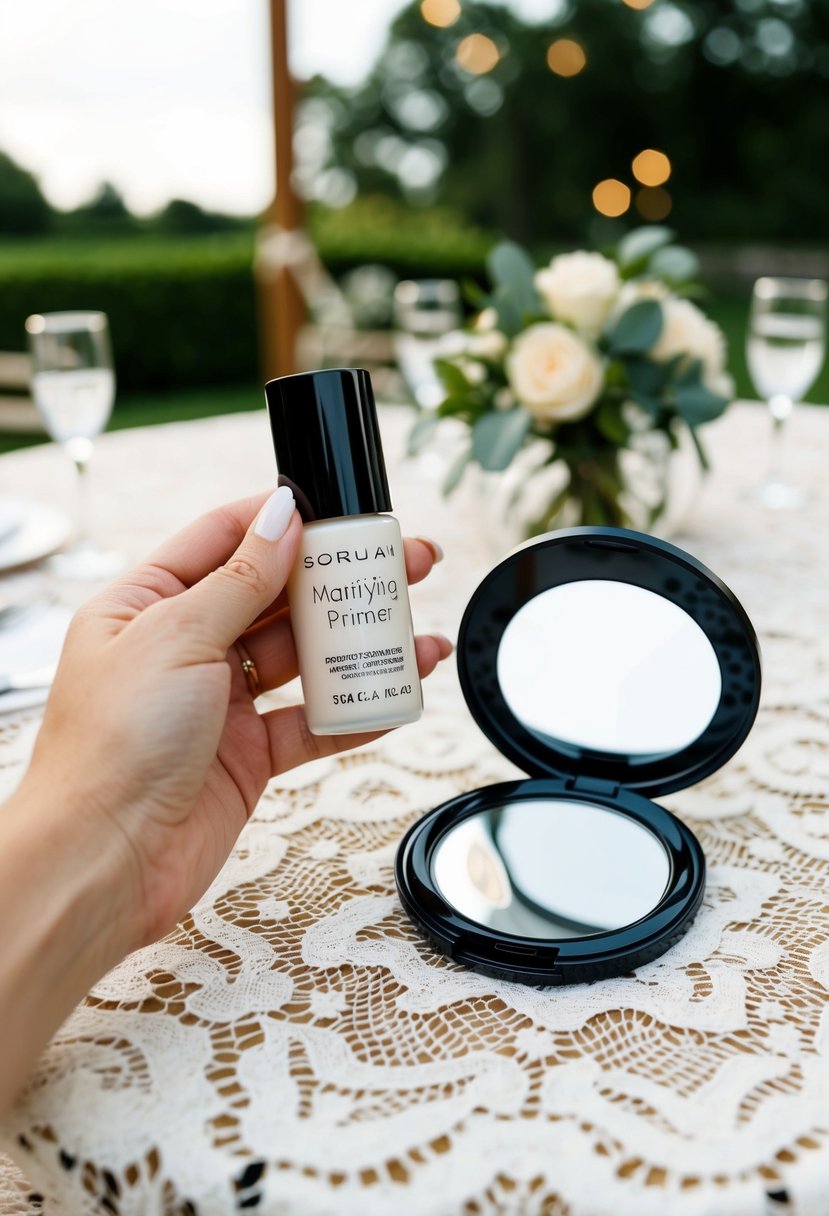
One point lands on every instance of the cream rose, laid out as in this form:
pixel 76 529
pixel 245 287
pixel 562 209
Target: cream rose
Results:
pixel 554 373
pixel 579 288
pixel 687 331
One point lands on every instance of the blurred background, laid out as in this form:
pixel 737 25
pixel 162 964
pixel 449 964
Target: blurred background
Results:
pixel 138 146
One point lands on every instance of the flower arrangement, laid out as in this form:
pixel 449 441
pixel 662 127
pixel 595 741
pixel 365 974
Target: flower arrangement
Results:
pixel 581 360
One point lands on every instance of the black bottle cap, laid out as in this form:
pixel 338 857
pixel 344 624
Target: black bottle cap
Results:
pixel 327 442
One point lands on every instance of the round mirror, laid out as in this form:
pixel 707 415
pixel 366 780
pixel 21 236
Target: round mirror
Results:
pixel 551 868
pixel 609 667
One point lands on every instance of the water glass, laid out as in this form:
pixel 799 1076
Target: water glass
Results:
pixel 785 350
pixel 73 386
pixel 427 312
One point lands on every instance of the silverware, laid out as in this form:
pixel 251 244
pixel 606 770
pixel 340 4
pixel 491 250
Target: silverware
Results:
pixel 14 613
pixel 22 681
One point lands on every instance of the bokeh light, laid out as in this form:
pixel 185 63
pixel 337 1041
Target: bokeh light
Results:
pixel 478 54
pixel 653 203
pixel 566 57
pixel 638 4
pixel 611 197
pixel 651 168
pixel 440 12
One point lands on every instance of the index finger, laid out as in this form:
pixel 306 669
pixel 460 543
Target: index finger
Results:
pixel 200 547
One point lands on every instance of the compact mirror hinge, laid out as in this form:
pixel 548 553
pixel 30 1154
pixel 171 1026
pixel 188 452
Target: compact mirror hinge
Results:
pixel 593 785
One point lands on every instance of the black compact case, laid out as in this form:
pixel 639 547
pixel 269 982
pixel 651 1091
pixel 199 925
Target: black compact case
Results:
pixel 612 668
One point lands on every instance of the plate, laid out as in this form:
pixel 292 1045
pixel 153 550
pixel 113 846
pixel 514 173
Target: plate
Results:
pixel 41 531
pixel 35 642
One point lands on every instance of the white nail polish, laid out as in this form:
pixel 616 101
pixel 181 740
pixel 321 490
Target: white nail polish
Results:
pixel 348 591
pixel 272 521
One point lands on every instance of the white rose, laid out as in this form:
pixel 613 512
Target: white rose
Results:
pixel 639 289
pixel 554 373
pixel 579 288
pixel 687 331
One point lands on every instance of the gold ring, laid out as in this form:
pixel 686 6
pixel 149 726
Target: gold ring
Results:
pixel 249 671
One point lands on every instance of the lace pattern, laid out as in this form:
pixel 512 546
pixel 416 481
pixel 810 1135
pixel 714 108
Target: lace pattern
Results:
pixel 295 1047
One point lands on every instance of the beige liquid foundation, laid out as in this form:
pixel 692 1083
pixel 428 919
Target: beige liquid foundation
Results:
pixel 348 591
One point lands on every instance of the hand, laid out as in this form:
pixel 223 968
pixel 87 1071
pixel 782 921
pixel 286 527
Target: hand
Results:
pixel 150 731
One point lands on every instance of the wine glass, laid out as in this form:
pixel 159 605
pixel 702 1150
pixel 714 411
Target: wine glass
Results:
pixel 73 386
pixel 785 348
pixel 427 312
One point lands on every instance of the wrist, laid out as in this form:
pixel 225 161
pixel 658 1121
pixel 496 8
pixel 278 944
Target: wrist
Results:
pixel 77 868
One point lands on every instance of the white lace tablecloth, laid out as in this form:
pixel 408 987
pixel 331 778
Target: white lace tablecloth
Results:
pixel 295 1048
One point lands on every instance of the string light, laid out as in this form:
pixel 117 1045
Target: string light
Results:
pixel 651 168
pixel 440 12
pixel 477 54
pixel 611 197
pixel 653 203
pixel 566 57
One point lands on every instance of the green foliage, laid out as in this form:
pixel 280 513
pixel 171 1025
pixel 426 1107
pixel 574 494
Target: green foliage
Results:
pixel 513 277
pixel 722 87
pixel 637 329
pixel 23 209
pixel 585 435
pixel 497 437
pixel 181 312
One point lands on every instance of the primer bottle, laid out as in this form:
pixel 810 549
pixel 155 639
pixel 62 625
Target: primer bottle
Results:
pixel 348 592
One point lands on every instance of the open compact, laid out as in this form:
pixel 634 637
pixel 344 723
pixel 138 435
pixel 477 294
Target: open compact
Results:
pixel 612 668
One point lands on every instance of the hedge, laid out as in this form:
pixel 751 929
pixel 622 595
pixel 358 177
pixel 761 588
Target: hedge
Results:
pixel 181 312
pixel 182 309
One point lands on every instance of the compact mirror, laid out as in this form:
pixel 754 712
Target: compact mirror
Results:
pixel 599 663
pixel 551 869
pixel 612 668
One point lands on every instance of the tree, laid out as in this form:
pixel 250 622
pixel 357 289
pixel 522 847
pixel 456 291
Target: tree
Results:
pixel 515 123
pixel 23 207
pixel 106 204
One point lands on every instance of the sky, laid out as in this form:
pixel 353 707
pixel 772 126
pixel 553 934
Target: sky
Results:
pixel 167 98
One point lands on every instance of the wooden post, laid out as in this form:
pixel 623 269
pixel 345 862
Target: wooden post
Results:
pixel 281 309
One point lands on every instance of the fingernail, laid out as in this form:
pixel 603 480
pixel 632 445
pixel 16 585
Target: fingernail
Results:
pixel 272 521
pixel 437 552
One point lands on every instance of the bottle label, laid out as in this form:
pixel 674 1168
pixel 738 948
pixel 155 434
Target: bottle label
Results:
pixel 352 625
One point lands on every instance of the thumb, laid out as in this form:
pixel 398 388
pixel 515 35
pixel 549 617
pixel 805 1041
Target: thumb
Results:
pixel 230 598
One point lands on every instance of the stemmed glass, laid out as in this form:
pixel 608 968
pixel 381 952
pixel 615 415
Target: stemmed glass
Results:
pixel 785 348
pixel 426 312
pixel 73 386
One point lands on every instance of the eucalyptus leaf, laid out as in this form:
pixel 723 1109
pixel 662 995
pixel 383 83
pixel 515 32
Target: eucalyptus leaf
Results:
pixel 651 405
pixel 509 313
pixel 638 245
pixel 457 471
pixel 644 375
pixel 421 433
pixel 498 436
pixel 688 371
pixel 674 263
pixel 610 422
pixel 697 404
pixel 511 267
pixel 637 329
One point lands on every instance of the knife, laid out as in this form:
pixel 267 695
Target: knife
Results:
pixel 20 681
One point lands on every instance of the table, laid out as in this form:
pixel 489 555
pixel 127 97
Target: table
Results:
pixel 295 1048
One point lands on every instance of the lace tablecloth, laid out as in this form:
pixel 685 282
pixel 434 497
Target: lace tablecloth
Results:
pixel 295 1048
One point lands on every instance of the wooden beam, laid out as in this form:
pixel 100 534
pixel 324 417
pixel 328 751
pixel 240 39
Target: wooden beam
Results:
pixel 281 310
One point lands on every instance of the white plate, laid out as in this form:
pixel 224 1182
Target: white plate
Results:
pixel 42 530
pixel 35 642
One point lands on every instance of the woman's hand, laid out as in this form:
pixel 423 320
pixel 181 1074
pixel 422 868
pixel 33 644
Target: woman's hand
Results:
pixel 150 732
